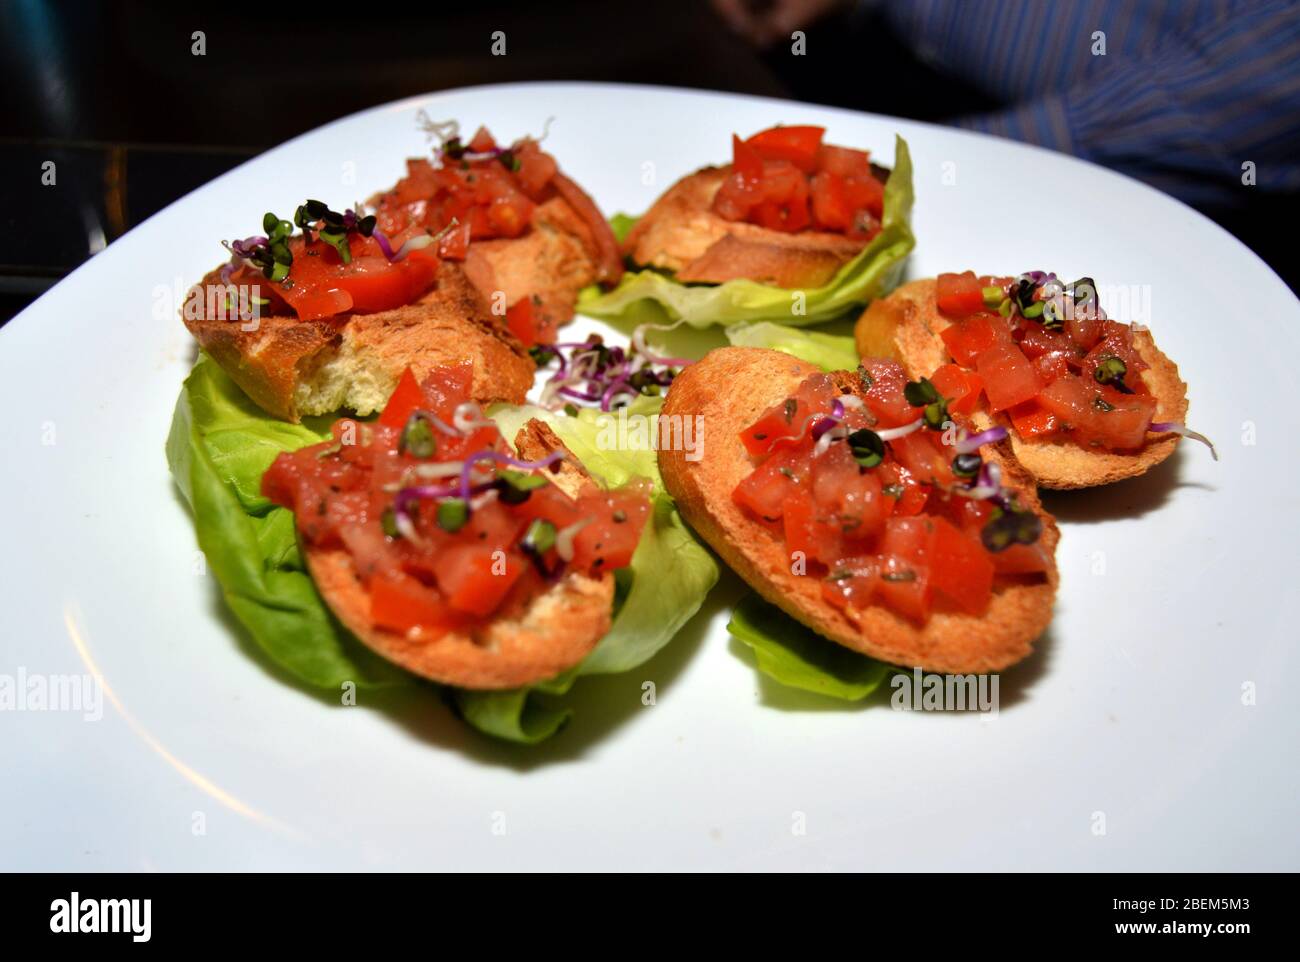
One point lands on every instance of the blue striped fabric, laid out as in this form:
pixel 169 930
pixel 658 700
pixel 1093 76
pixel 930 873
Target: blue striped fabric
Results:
pixel 1186 92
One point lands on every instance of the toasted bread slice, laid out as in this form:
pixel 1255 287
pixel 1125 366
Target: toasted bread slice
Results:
pixel 681 233
pixel 293 368
pixel 550 634
pixel 730 388
pixel 550 262
pixel 906 326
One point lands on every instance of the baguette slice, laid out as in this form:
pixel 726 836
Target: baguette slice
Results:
pixel 293 368
pixel 681 233
pixel 730 388
pixel 906 326
pixel 550 634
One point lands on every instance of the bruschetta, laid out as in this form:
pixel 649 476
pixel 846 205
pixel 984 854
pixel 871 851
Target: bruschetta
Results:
pixel 529 237
pixel 788 211
pixel 860 514
pixel 326 312
pixel 1087 399
pixel 450 555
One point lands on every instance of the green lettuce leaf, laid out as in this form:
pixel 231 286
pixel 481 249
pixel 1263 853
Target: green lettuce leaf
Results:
pixel 798 657
pixel 219 446
pixel 831 352
pixel 670 574
pixel 221 443
pixel 874 271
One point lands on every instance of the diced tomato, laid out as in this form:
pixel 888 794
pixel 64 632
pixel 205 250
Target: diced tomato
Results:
pixel 455 244
pixel 745 159
pixel 849 494
pixel 884 395
pixel 783 203
pixel 482 141
pixel 853 584
pixel 536 169
pixel 1084 330
pixel 522 321
pixel 958 295
pixel 865 194
pixel 765 490
pixel 809 530
pixel 904 566
pixel 925 456
pixel 474 579
pixel 961 387
pixel 1100 415
pixel 788 419
pixel 320 285
pixel 796 145
pixel 399 603
pixel 406 397
pixel 970 337
pixel 912 496
pixel 960 568
pixel 1032 420
pixel 844 161
pixel 830 203
pixel 1021 559
pixel 1056 364
pixel 1038 340
pixel 1008 376
pixel 1117 341
pixel 610 539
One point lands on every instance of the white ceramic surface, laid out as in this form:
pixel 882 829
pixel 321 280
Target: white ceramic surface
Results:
pixel 1177 589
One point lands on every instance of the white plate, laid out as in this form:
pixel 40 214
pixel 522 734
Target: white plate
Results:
pixel 1175 590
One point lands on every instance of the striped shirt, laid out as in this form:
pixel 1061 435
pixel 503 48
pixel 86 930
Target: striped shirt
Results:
pixel 1182 94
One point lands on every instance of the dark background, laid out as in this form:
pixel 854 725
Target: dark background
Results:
pixel 108 91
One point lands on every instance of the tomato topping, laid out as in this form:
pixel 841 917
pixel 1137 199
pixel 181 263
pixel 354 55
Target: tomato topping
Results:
pixel 399 603
pixel 786 179
pixel 1007 375
pixel 796 145
pixel 406 397
pixel 844 162
pixel 790 420
pixel 490 196
pixel 884 394
pixel 1055 367
pixel 430 559
pixel 1032 420
pixel 959 294
pixel 898 529
pixel 1100 415
pixel 969 338
pixel 960 568
pixel 320 285
pixel 961 387
pixel 522 320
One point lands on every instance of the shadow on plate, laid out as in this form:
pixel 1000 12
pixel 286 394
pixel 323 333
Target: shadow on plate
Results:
pixel 1123 499
pixel 1014 685
pixel 600 703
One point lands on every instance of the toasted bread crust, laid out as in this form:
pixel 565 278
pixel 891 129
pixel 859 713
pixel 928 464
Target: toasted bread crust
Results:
pixel 551 262
pixel 730 388
pixel 909 322
pixel 681 233
pixel 278 363
pixel 549 635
